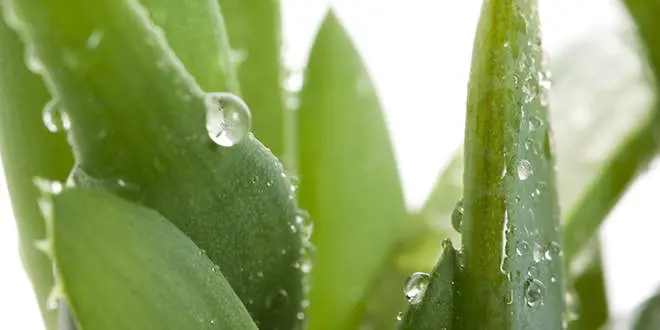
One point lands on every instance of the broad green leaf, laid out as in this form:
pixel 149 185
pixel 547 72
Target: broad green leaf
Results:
pixel 138 127
pixel 588 308
pixel 254 28
pixel 649 314
pixel 435 310
pixel 349 180
pixel 512 277
pixel 196 32
pixel 28 149
pixel 123 266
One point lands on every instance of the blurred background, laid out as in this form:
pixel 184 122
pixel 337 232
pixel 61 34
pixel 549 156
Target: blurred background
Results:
pixel 419 56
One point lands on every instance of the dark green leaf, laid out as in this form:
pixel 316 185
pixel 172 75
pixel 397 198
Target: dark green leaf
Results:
pixel 255 35
pixel 28 149
pixel 649 314
pixel 138 127
pixel 435 311
pixel 349 180
pixel 589 305
pixel 123 266
pixel 510 230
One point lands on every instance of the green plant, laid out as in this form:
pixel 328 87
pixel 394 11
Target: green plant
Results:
pixel 174 216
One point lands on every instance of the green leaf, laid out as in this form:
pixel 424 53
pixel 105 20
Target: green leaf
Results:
pixel 349 180
pixel 590 301
pixel 254 29
pixel 649 314
pixel 123 266
pixel 28 149
pixel 435 311
pixel 512 277
pixel 138 128
pixel 593 79
pixel 196 32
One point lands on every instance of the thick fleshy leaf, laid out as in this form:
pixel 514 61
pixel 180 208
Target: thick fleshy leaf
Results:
pixel 593 79
pixel 123 266
pixel 28 149
pixel 349 181
pixel 254 28
pixel 435 310
pixel 196 32
pixel 512 277
pixel 138 127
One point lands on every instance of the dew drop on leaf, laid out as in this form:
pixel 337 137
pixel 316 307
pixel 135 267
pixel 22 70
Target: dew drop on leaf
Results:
pixel 399 316
pixel 553 250
pixel 522 247
pixel 54 118
pixel 228 118
pixel 457 216
pixel 534 292
pixel 303 221
pixel 532 271
pixel 524 169
pixel 416 286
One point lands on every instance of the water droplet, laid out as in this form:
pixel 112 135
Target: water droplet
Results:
pixel 534 292
pixel 457 216
pixel 534 123
pixel 278 298
pixel 303 221
pixel 532 271
pixel 54 118
pixel 416 286
pixel 399 316
pixel 228 118
pixel 212 321
pixel 538 253
pixel 522 247
pixel 553 250
pixel 300 316
pixel 94 39
pixel 524 169
pixel 553 279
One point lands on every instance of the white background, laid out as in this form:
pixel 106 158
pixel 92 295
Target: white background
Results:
pixel 418 52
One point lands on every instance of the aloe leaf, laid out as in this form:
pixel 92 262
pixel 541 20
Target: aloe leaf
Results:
pixel 649 314
pixel 196 32
pixel 512 277
pixel 138 127
pixel 349 180
pixel 28 149
pixel 144 273
pixel 593 80
pixel 254 28
pixel 435 309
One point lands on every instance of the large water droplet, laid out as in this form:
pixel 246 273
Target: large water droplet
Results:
pixel 415 287
pixel 228 118
pixel 457 216
pixel 524 169
pixel 54 118
pixel 534 292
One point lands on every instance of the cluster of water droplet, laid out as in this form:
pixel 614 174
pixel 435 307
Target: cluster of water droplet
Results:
pixel 228 118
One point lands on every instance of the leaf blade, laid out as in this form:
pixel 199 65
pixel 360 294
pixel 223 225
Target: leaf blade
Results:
pixel 106 291
pixel 507 160
pixel 349 182
pixel 140 131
